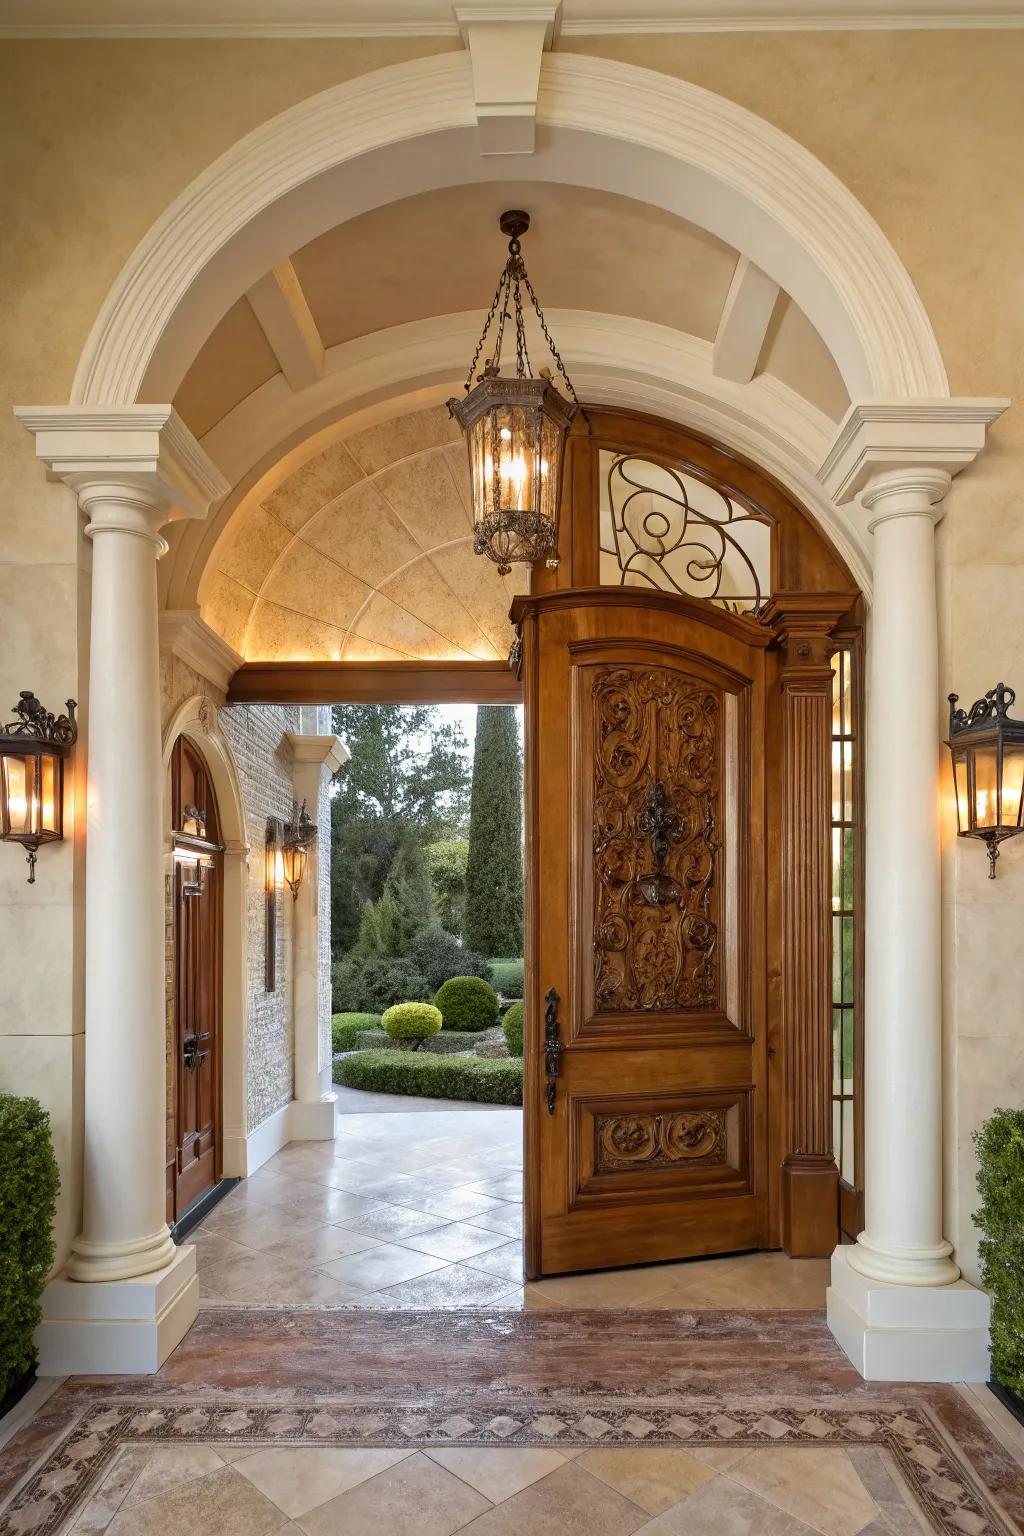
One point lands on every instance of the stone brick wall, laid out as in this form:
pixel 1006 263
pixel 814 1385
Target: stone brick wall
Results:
pixel 255 735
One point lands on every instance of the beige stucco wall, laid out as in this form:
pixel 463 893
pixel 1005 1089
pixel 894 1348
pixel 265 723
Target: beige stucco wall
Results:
pixel 925 128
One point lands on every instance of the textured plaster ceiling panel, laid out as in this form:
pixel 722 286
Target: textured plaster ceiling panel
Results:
pixel 483 592
pixel 386 623
pixel 227 607
pixel 361 533
pixel 308 583
pixel 235 359
pixel 314 484
pixel 376 447
pixel 795 353
pixel 440 253
pixel 421 589
pixel 280 634
pixel 424 495
pixel 253 548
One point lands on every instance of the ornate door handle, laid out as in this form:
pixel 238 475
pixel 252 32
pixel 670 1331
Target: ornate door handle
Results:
pixel 553 1048
pixel 192 1054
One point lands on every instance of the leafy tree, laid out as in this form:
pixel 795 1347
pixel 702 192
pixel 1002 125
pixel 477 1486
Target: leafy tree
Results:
pixel 446 864
pixel 493 921
pixel 407 905
pixel 408 770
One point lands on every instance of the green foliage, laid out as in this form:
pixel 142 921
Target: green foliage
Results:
pixel 370 940
pixel 446 865
pixel 439 957
pixel 407 771
pixel 434 1077
pixel 346 1026
pixel 512 1025
pixel 507 977
pixel 371 983
pixel 407 905
pixel 29 1182
pixel 1000 1144
pixel 412 1021
pixel 467 1002
pixel 494 868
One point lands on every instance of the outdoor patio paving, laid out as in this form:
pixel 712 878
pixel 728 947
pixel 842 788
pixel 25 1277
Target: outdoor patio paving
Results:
pixel 425 1210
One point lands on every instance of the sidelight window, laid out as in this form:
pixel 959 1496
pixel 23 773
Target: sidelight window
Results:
pixel 846 915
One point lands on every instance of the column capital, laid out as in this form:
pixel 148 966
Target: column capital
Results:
pixel 331 751
pixel 905 437
pixel 802 623
pixel 139 463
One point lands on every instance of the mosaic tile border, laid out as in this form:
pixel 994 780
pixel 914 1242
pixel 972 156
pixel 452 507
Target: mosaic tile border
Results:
pixel 944 1488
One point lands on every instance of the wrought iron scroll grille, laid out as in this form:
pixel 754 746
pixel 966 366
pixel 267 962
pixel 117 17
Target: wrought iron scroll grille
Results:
pixel 662 527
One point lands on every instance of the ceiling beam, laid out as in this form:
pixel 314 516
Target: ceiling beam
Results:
pixel 506 43
pixel 746 315
pixel 375 682
pixel 279 305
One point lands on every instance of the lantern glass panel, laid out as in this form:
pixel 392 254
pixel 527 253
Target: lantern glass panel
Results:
pixel 986 783
pixel 18 793
pixel 49 795
pixel 293 860
pixel 1013 786
pixel 963 799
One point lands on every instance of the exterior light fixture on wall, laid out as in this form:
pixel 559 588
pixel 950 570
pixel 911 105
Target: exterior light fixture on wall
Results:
pixel 297 837
pixel 515 428
pixel 33 748
pixel 988 769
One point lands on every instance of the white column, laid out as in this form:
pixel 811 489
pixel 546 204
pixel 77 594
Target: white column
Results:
pixel 124 1231
pixel 315 759
pixel 896 1303
pixel 133 470
pixel 902 1240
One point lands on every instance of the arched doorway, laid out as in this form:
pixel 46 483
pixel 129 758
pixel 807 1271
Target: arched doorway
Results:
pixel 194 984
pixel 684 800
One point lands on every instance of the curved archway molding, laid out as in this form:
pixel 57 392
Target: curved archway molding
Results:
pixel 412 127
pixel 615 360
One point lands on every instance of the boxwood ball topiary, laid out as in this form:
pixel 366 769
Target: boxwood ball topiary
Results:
pixel 512 1024
pixel 412 1021
pixel 467 1002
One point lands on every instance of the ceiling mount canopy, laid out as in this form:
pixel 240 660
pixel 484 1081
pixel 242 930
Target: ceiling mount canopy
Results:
pixel 515 426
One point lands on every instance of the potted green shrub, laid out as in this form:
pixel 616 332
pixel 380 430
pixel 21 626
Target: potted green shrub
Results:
pixel 29 1182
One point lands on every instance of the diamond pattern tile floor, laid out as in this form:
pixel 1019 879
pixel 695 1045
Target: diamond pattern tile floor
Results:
pixel 425 1209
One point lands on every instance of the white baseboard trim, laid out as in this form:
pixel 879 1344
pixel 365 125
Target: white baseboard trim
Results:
pixel 292 1122
pixel 313 1122
pixel 117 1326
pixel 908 1333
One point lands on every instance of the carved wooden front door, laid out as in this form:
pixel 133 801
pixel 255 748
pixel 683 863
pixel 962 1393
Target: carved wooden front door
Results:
pixel 646 1067
pixel 194 1076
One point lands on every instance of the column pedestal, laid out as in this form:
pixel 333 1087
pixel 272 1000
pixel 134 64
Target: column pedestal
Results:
pixel 119 1326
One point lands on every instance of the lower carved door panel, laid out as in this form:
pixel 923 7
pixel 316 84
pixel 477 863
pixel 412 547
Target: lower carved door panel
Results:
pixel 645 1101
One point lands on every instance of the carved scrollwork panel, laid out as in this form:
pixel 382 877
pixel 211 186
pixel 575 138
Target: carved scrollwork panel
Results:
pixel 691 1138
pixel 657 775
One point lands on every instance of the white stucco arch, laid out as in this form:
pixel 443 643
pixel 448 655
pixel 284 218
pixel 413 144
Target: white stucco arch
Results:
pixel 411 127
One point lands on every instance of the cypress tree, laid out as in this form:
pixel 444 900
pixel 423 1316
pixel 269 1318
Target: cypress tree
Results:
pixel 493 922
pixel 406 906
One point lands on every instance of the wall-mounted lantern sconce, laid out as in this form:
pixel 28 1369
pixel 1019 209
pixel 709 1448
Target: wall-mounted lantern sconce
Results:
pixel 297 837
pixel 32 752
pixel 988 769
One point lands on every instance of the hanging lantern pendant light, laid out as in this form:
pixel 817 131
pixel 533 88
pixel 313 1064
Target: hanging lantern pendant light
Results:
pixel 515 427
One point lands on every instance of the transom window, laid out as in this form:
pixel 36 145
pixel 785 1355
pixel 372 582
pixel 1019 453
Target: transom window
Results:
pixel 666 528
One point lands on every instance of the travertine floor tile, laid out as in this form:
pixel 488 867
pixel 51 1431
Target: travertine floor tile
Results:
pixel 819 1487
pixel 415 1498
pixel 223 1502
pixel 722 1508
pixel 451 1286
pixel 654 1479
pixel 498 1474
pixel 505 1217
pixel 455 1241
pixel 378 1268
pixel 169 1468
pixel 506 1261
pixel 319 1247
pixel 394 1221
pixel 302 1479
pixel 570 1502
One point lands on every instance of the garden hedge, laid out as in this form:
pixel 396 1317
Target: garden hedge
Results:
pixel 29 1182
pixel 370 983
pixel 512 1024
pixel 467 1002
pixel 1000 1144
pixel 412 1021
pixel 433 1077
pixel 507 977
pixel 345 1027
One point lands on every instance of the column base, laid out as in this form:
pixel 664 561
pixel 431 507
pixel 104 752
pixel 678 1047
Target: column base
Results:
pixel 93 1262
pixel 810 1206
pixel 904 1266
pixel 313 1122
pixel 907 1332
pixel 120 1326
